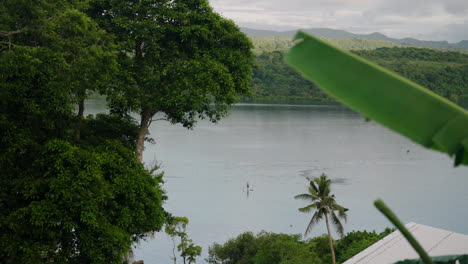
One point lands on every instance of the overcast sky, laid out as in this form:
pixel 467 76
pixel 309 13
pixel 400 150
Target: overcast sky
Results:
pixel 422 19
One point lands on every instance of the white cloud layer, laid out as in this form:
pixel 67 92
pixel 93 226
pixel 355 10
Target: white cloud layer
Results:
pixel 424 19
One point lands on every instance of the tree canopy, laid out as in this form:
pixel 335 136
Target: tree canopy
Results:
pixel 276 248
pixel 65 199
pixel 178 58
pixel 324 206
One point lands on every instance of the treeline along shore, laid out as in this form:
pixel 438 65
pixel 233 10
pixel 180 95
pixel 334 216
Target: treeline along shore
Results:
pixel 443 72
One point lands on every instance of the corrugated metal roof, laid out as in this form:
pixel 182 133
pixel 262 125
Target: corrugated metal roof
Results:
pixel 394 247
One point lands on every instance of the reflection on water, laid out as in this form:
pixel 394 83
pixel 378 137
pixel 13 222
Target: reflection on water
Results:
pixel 274 148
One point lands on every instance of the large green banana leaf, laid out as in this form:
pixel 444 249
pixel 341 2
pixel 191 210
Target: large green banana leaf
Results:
pixel 383 96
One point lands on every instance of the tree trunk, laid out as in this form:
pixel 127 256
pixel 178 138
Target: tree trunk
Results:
pixel 173 251
pixel 183 249
pixel 146 116
pixel 80 116
pixel 330 240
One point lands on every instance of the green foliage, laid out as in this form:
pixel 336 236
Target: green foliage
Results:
pixel 64 200
pixel 382 207
pixel 110 127
pixel 282 248
pixel 393 101
pixel 239 250
pixel 177 57
pixel 274 78
pixel 283 43
pixel 77 205
pixel 324 206
pixel 176 227
pixel 445 73
pixel 277 43
pixel 356 241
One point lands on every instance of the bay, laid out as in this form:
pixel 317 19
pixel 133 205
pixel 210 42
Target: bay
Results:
pixel 274 148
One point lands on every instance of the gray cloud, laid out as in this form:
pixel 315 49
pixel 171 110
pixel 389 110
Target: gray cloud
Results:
pixel 396 18
pixel 451 33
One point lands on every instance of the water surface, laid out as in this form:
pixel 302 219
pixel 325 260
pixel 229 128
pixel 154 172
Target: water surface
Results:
pixel 274 148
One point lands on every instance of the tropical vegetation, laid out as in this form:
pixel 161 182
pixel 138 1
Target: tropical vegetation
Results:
pixel 324 206
pixel 281 43
pixel 179 59
pixel 176 228
pixel 273 248
pixel 445 73
pixel 348 42
pixel 73 189
pixel 393 101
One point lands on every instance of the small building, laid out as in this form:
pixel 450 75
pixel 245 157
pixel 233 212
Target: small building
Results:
pixel 394 247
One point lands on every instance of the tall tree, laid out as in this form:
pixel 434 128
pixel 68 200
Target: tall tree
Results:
pixel 62 200
pixel 178 58
pixel 325 206
pixel 176 227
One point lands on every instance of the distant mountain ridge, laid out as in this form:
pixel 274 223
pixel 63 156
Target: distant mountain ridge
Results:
pixel 342 34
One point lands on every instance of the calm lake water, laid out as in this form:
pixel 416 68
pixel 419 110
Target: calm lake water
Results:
pixel 274 148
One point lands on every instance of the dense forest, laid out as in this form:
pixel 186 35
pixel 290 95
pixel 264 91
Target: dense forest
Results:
pixel 266 44
pixel 272 248
pixel 74 189
pixel 443 72
pixel 283 43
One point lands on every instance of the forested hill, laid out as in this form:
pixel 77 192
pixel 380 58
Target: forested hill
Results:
pixel 282 43
pixel 445 73
pixel 265 44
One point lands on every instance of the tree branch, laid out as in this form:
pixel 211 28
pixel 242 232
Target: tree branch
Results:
pixel 160 119
pixel 10 44
pixel 4 33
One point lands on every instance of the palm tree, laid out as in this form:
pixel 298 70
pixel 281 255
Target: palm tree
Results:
pixel 325 206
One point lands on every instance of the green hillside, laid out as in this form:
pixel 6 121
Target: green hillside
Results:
pixel 445 73
pixel 282 43
pixel 268 44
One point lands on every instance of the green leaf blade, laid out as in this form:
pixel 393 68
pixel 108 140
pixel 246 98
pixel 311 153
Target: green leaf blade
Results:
pixel 383 96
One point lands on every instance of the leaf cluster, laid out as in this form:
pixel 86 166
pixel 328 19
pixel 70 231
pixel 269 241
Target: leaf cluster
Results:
pixel 179 58
pixel 176 227
pixel 274 248
pixel 64 200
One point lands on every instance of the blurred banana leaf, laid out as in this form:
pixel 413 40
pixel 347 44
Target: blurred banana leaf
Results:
pixel 463 259
pixel 383 96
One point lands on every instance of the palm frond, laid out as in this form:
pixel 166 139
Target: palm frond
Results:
pixel 308 208
pixel 313 186
pixel 313 193
pixel 337 224
pixel 341 212
pixel 324 204
pixel 304 196
pixel 329 201
pixel 323 184
pixel 313 221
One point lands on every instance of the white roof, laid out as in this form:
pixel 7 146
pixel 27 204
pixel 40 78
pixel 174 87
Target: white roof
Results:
pixel 394 247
